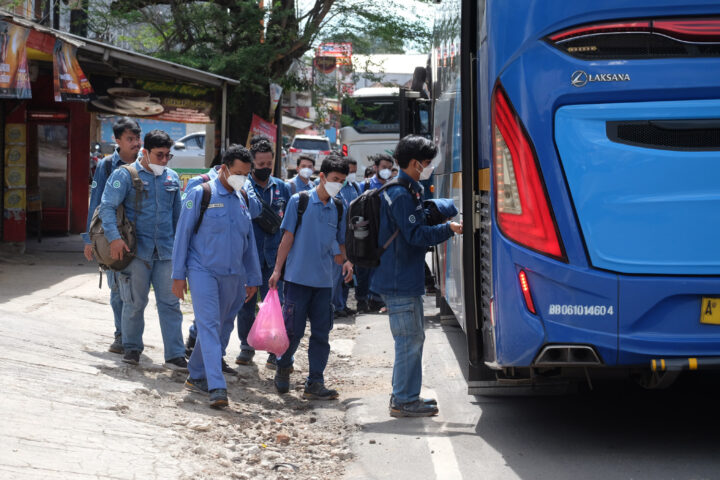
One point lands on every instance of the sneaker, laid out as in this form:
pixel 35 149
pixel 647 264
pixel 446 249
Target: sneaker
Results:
pixel 189 345
pixel 117 346
pixel 218 398
pixel 413 409
pixel 228 369
pixel 350 312
pixel 245 357
pixel 197 385
pixel 132 357
pixel 282 380
pixel 317 391
pixel 178 363
pixel 426 401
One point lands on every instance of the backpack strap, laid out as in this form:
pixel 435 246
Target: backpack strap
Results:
pixel 205 177
pixel 108 167
pixel 293 187
pixel 207 193
pixel 137 185
pixel 302 206
pixel 355 186
pixel 367 185
pixel 404 183
pixel 339 207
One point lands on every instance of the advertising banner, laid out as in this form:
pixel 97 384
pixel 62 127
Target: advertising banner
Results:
pixel 275 94
pixel 69 81
pixel 170 102
pixel 343 50
pixel 259 125
pixel 14 77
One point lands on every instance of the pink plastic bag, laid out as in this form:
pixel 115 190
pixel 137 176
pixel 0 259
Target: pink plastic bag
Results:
pixel 268 331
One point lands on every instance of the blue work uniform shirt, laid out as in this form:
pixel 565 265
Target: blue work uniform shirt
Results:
pixel 402 266
pixel 224 243
pixel 349 192
pixel 159 209
pixel 374 183
pixel 276 194
pixel 310 261
pixel 254 204
pixel 98 187
pixel 296 185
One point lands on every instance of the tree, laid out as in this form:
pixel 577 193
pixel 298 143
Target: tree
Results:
pixel 253 41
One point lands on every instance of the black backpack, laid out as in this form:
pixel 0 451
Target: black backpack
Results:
pixel 363 226
pixel 303 203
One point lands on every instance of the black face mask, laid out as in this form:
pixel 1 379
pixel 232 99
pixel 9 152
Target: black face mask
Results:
pixel 262 174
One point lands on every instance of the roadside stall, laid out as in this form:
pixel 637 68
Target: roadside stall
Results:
pixel 59 93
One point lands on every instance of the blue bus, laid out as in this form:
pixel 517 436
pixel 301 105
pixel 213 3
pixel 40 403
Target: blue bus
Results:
pixel 582 142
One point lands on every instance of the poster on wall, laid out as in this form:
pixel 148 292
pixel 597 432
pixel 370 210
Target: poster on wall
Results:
pixel 14 77
pixel 260 126
pixel 69 81
pixel 163 101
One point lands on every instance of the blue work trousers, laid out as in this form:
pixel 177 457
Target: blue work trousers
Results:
pixel 246 316
pixel 339 290
pixel 407 325
pixel 303 303
pixel 134 284
pixel 216 301
pixel 115 300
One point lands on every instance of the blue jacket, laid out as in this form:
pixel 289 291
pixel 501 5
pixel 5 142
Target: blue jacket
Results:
pixel 277 195
pixel 224 243
pixel 349 192
pixel 402 267
pixel 159 209
pixel 98 187
pixel 255 205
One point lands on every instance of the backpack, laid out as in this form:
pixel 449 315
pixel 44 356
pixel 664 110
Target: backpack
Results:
pixel 363 226
pixel 101 245
pixel 303 203
pixel 205 202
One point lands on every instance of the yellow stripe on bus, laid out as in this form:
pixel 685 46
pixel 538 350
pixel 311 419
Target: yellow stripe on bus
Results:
pixel 692 363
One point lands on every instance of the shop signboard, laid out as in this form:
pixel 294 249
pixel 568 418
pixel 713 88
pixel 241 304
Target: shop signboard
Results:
pixel 14 77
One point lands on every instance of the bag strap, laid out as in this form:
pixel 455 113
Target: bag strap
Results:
pixel 404 183
pixel 137 185
pixel 339 207
pixel 355 186
pixel 207 193
pixel 205 177
pixel 108 167
pixel 302 206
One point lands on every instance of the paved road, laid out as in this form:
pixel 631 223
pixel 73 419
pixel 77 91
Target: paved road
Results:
pixel 614 432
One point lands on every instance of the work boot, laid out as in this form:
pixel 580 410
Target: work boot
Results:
pixel 218 398
pixel 117 346
pixel 426 401
pixel 362 306
pixel 197 385
pixel 179 364
pixel 375 305
pixel 350 312
pixel 317 391
pixel 418 408
pixel 132 357
pixel 228 369
pixel 271 362
pixel 245 357
pixel 282 379
pixel 189 345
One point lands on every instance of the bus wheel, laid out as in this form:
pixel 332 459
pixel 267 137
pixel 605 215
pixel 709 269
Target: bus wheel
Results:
pixel 655 380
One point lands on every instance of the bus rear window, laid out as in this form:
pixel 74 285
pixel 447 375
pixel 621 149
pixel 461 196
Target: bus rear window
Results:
pixel 371 116
pixel 311 144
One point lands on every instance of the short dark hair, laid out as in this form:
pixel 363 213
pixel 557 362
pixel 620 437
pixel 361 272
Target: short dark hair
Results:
pixel 304 157
pixel 414 147
pixel 261 146
pixel 394 169
pixel 125 123
pixel 350 160
pixel 369 172
pixel 376 159
pixel 236 152
pixel 334 163
pixel 260 137
pixel 157 139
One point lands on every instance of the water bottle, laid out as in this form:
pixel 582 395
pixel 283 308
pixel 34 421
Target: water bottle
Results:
pixel 360 233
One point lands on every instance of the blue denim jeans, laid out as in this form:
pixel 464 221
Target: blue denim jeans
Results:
pixel 303 303
pixel 115 300
pixel 216 301
pixel 407 325
pixel 246 316
pixel 134 283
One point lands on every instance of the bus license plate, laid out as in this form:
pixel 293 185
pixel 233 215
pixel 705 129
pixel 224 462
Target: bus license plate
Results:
pixel 710 311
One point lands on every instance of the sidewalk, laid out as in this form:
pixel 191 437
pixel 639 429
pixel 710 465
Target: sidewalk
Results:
pixel 73 410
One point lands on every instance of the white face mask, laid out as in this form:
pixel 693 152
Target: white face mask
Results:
pixel 237 181
pixel 157 169
pixel 351 177
pixel 333 188
pixel 306 172
pixel 426 172
pixel 385 173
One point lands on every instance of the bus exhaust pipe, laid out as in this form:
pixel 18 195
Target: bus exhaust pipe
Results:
pixel 567 355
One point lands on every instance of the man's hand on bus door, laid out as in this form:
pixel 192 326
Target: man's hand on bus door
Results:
pixel 457 228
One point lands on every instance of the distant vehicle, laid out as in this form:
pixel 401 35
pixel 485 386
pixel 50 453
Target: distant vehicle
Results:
pixel 371 124
pixel 313 145
pixel 189 151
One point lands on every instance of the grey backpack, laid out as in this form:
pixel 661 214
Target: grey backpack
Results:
pixel 101 245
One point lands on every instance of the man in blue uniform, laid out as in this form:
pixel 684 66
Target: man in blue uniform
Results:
pixel 215 251
pixel 127 135
pixel 305 169
pixel 400 276
pixel 276 194
pixel 310 243
pixel 341 289
pixel 367 299
pixel 155 221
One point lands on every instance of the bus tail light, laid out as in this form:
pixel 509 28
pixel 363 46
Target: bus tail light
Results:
pixel 522 205
pixel 325 152
pixel 292 150
pixel 344 150
pixel 525 287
